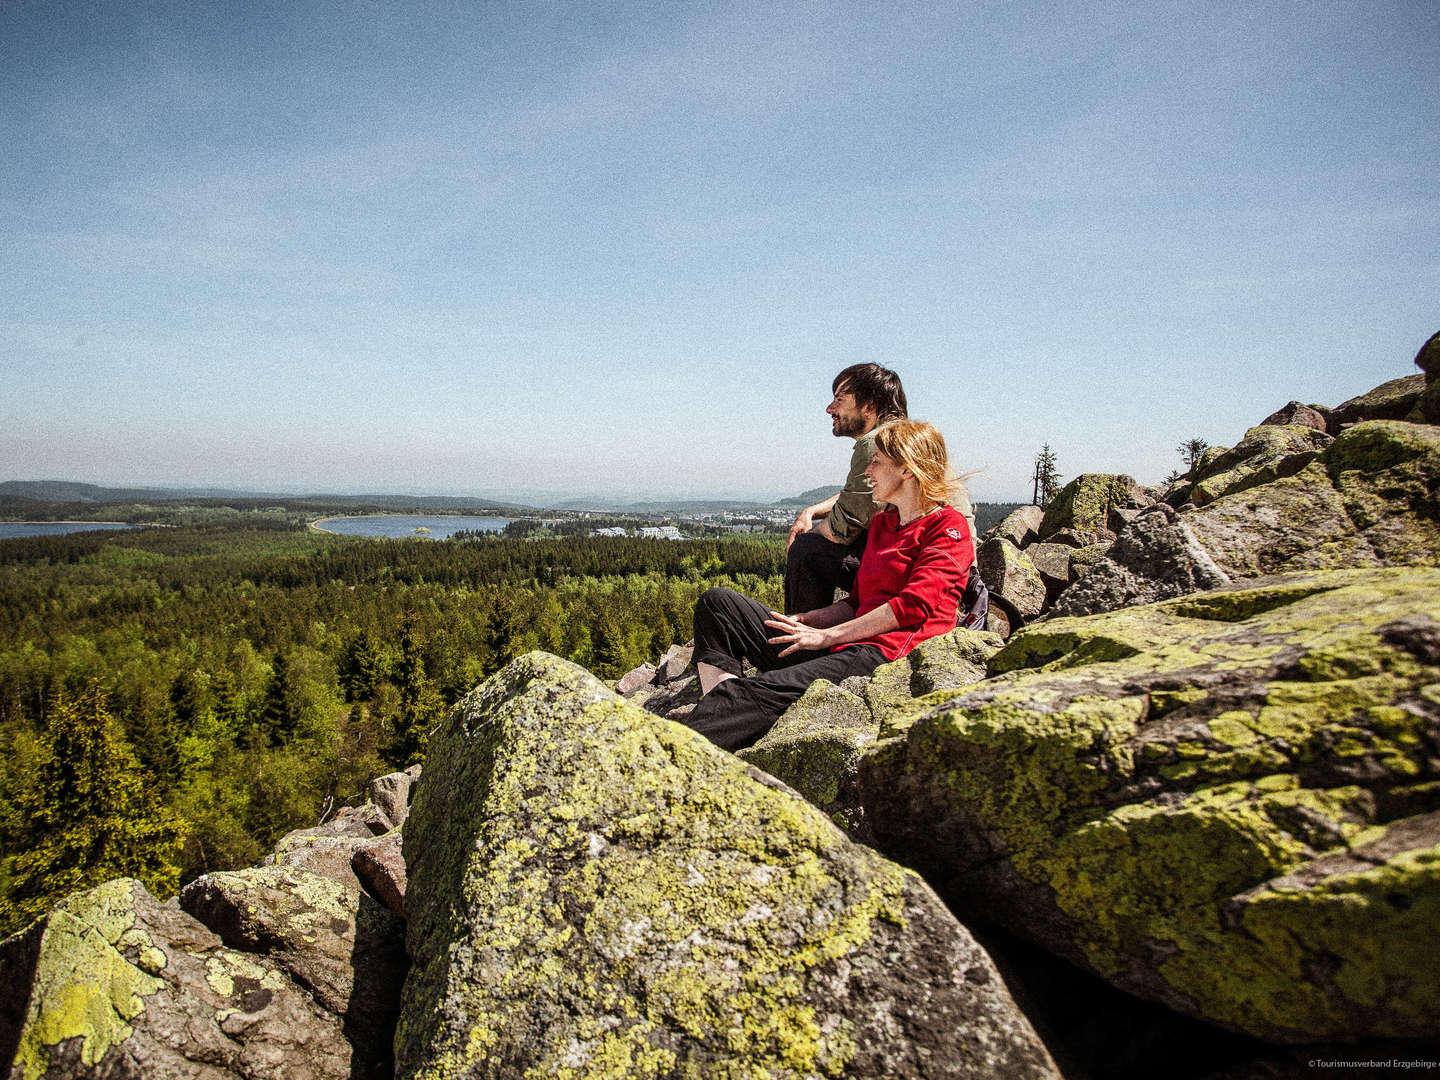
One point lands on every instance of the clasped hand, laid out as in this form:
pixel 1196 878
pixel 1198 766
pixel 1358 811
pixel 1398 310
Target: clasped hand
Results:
pixel 796 634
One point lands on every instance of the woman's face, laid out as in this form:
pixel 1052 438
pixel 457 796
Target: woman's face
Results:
pixel 887 475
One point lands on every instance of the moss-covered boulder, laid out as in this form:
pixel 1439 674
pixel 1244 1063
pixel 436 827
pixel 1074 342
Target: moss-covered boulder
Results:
pixel 1011 577
pixel 1227 802
pixel 1265 453
pixel 327 935
pixel 900 690
pixel 1369 499
pixel 1083 505
pixel 815 748
pixel 1393 400
pixel 603 893
pixel 113 984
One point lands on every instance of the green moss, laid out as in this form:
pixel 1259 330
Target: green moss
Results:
pixel 702 908
pixel 1206 728
pixel 85 985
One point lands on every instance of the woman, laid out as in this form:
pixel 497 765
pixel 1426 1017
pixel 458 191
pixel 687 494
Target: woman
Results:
pixel 917 560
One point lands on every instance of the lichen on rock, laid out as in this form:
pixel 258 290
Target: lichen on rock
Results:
pixel 1143 791
pixel 604 893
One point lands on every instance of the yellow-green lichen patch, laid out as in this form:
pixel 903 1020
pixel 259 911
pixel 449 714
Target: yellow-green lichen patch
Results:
pixel 84 986
pixel 1148 800
pixel 608 857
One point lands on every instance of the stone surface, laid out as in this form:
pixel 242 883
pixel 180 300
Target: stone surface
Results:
pixel 1156 557
pixel 815 748
pixel 1265 453
pixel 379 866
pixel 675 662
pixel 1021 526
pixel 603 893
pixel 1427 409
pixel 123 986
pixel 1083 558
pixel 901 689
pixel 1367 500
pixel 328 856
pixel 1295 412
pixel 635 678
pixel 1011 577
pixel 329 937
pixel 1389 401
pixel 1053 563
pixel 1084 503
pixel 1228 802
pixel 391 795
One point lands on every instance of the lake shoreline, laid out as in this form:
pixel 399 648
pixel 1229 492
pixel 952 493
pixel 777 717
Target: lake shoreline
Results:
pixel 318 525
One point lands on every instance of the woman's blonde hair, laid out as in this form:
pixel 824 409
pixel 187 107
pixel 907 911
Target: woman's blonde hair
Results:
pixel 920 447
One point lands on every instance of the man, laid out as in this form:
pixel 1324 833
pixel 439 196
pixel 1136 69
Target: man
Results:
pixel 825 544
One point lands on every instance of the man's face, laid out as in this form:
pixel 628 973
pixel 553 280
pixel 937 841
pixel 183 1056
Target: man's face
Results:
pixel 847 418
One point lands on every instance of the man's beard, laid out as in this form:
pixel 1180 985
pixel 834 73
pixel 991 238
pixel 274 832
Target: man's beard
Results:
pixel 852 426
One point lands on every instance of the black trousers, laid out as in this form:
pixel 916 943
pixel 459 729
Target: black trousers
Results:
pixel 730 627
pixel 815 567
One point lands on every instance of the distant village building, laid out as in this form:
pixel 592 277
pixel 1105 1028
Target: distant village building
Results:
pixel 662 532
pixel 614 530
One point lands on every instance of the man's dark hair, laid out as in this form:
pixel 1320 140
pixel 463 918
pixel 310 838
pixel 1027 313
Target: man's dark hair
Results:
pixel 875 386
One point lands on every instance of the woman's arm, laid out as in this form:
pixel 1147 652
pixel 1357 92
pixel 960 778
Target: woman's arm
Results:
pixel 798 635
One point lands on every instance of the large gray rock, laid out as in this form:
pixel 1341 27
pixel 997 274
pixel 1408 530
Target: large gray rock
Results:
pixel 1427 409
pixel 604 893
pixel 815 748
pixel 1011 577
pixel 1021 526
pixel 1311 416
pixel 328 937
pixel 1393 400
pixel 1225 802
pixel 113 984
pixel 1156 557
pixel 1264 454
pixel 390 794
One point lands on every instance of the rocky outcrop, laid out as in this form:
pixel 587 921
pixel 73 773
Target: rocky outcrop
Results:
pixel 602 892
pixel 116 984
pixel 1205 768
pixel 1225 802
pixel 1394 400
pixel 1266 453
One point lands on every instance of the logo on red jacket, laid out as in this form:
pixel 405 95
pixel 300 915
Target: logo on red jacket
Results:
pixel 954 534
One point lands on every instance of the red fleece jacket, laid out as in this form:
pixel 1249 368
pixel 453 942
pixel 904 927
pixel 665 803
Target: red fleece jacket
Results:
pixel 920 570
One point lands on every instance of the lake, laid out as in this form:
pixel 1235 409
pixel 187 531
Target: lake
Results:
pixel 399 526
pixel 11 529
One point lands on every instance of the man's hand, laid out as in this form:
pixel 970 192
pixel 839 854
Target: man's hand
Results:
pixel 802 525
pixel 805 520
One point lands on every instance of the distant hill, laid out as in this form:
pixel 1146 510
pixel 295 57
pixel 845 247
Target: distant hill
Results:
pixel 64 491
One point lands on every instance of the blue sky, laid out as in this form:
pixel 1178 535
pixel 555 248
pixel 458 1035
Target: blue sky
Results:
pixel 622 248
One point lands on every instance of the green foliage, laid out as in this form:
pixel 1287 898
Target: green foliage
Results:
pixel 90 817
pixel 252 673
pixel 1192 450
pixel 1047 478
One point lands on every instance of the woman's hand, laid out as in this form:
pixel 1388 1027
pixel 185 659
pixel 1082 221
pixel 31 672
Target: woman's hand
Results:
pixel 796 634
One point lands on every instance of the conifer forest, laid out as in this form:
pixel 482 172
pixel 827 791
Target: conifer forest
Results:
pixel 173 700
